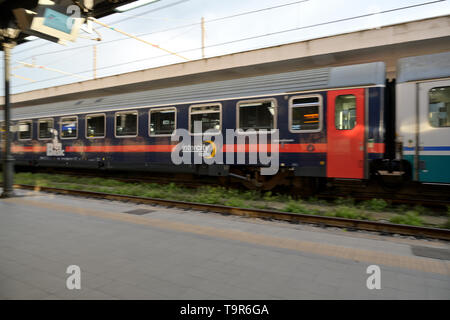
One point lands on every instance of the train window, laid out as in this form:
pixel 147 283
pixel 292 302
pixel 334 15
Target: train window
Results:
pixel 439 107
pixel 126 124
pixel 162 121
pixel 44 127
pixel 305 114
pixel 95 126
pixel 69 127
pixel 256 115
pixel 208 115
pixel 25 130
pixel 345 112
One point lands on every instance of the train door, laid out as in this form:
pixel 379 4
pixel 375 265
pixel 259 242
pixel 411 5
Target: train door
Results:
pixel 434 131
pixel 345 131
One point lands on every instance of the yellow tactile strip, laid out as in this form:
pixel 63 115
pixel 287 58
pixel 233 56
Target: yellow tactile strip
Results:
pixel 361 255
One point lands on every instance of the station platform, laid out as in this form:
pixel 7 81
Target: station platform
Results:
pixel 130 251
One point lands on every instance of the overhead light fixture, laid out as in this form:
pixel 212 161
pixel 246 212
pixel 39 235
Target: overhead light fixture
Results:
pixel 30 38
pixel 134 5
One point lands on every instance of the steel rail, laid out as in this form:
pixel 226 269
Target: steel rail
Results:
pixel 382 227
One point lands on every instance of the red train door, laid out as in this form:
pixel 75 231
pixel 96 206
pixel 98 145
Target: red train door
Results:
pixel 345 130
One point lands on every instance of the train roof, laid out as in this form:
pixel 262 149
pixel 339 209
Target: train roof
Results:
pixel 333 77
pixel 430 66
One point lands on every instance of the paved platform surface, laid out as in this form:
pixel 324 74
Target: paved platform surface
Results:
pixel 166 253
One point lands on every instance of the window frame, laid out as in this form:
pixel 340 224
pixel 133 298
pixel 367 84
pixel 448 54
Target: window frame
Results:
pixel 38 129
pixel 86 125
pixel 291 108
pixel 60 127
pixel 18 133
pixel 356 110
pixel 239 130
pixel 115 123
pixel 204 105
pixel 150 118
pixel 428 110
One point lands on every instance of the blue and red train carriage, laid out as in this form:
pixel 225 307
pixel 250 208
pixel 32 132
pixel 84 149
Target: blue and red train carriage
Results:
pixel 338 122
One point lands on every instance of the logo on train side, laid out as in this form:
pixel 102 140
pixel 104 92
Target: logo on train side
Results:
pixel 54 149
pixel 207 149
pixel 241 147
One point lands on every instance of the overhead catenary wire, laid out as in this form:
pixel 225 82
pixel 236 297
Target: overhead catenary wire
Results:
pixel 177 27
pixel 22 77
pixel 149 11
pixel 118 21
pixel 223 18
pixel 137 38
pixel 253 37
pixel 29 65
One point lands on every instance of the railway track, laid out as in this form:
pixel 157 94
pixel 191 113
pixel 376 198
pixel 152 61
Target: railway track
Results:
pixel 415 199
pixel 431 196
pixel 352 224
pixel 427 196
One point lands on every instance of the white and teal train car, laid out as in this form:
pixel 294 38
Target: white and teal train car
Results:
pixel 423 116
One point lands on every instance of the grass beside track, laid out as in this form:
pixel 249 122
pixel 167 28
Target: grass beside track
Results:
pixel 374 209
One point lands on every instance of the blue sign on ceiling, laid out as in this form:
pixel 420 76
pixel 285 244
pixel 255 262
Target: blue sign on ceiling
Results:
pixel 57 20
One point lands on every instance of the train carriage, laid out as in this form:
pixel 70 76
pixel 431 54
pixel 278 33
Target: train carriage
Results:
pixel 423 116
pixel 330 122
